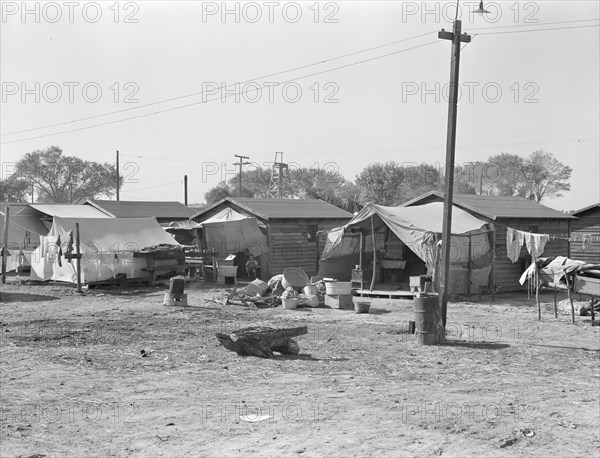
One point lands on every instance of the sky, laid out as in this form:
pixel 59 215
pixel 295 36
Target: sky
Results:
pixel 332 85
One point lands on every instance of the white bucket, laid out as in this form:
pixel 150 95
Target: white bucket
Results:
pixel 291 303
pixel 310 290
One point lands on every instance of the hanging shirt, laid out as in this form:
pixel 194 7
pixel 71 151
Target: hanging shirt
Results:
pixel 514 242
pixel 535 244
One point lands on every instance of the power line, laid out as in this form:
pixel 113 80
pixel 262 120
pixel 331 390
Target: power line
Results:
pixel 202 92
pixel 539 24
pixel 273 74
pixel 539 30
pixel 152 187
pixel 216 98
pixel 295 69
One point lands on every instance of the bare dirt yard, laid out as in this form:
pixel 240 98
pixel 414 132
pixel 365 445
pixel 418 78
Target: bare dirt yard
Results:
pixel 113 372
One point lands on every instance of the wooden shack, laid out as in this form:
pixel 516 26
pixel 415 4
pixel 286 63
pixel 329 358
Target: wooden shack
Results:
pixel 515 212
pixel 295 228
pixel 587 226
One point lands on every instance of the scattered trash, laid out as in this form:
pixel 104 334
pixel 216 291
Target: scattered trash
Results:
pixel 255 419
pixel 508 442
pixel 145 352
pixel 527 432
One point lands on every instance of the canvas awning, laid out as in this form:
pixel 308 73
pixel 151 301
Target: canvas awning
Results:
pixel 417 227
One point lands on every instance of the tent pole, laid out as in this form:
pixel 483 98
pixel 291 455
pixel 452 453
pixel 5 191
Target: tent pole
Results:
pixel 5 243
pixel 469 268
pixel 374 254
pixel 78 259
pixel 493 285
pixel 361 242
pixel 537 292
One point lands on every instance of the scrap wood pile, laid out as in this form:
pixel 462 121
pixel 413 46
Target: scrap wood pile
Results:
pixel 243 298
pixel 262 341
pixel 162 247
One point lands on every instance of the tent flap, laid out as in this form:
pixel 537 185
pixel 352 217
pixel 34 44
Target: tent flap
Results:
pixel 419 228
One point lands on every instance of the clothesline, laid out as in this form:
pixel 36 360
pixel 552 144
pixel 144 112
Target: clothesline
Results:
pixel 580 237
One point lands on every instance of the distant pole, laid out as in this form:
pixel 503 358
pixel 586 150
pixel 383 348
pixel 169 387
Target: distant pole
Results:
pixel 241 164
pixel 5 244
pixel 118 175
pixel 185 201
pixel 457 38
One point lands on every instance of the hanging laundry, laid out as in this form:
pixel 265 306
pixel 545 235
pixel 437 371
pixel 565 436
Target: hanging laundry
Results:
pixel 535 244
pixel 514 242
pixel 586 242
pixel 69 246
pixel 59 254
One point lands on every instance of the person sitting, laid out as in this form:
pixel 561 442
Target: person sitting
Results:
pixel 251 267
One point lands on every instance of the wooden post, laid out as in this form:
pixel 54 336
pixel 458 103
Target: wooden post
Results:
pixel 5 243
pixel 361 245
pixel 469 268
pixel 555 309
pixel 537 292
pixel 374 254
pixel 493 285
pixel 78 259
pixel 570 298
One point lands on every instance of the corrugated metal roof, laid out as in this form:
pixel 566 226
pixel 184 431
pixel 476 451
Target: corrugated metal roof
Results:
pixel 494 207
pixel 284 208
pixel 142 209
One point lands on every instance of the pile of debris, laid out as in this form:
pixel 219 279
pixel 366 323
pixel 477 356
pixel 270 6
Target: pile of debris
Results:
pixel 292 284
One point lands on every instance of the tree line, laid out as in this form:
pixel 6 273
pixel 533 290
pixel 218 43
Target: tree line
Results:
pixel 537 176
pixel 52 177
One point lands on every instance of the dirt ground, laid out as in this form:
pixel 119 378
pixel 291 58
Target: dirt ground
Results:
pixel 74 381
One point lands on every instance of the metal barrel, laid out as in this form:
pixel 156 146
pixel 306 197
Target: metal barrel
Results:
pixel 429 328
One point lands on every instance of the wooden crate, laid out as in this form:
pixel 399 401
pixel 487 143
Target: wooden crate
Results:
pixel 343 301
pixel 587 285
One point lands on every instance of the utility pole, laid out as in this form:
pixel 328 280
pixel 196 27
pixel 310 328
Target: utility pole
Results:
pixel 118 175
pixel 457 38
pixel 241 164
pixel 185 201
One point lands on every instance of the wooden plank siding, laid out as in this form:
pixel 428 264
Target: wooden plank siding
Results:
pixel 507 274
pixel 289 244
pixel 588 222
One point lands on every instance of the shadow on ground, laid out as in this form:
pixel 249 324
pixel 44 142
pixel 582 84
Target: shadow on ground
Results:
pixel 7 298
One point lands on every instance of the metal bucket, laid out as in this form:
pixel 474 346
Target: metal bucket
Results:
pixel 429 328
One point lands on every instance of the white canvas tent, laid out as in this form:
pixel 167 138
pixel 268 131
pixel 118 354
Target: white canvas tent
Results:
pixel 419 228
pixel 21 242
pixel 107 247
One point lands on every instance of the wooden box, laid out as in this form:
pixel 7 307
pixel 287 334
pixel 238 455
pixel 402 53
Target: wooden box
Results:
pixel 343 301
pixel 587 285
